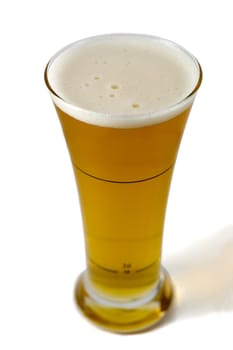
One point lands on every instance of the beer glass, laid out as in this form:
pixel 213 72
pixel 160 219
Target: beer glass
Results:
pixel 123 101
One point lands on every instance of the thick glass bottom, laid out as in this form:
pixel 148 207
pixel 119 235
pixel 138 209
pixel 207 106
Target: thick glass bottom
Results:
pixel 125 317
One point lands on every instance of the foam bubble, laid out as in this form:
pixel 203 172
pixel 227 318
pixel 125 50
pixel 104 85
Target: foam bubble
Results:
pixel 135 105
pixel 140 80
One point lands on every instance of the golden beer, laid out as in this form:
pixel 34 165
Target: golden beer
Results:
pixel 123 169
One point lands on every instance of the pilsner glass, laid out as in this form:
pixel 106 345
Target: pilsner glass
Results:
pixel 123 101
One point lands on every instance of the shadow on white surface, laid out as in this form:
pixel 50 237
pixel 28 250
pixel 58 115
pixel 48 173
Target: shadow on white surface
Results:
pixel 203 277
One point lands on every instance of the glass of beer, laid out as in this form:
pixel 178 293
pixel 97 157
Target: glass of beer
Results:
pixel 123 101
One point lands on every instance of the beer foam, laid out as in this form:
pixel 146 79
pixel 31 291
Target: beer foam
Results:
pixel 123 80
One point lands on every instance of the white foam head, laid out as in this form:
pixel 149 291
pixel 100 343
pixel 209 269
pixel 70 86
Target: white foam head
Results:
pixel 123 80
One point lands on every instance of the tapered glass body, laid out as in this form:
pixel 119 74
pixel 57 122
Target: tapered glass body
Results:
pixel 123 176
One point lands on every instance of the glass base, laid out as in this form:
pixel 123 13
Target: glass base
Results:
pixel 125 317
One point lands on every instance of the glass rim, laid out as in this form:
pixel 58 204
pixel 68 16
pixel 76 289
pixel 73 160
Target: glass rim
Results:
pixel 137 119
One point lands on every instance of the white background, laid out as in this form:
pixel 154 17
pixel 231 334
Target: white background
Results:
pixel 41 242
